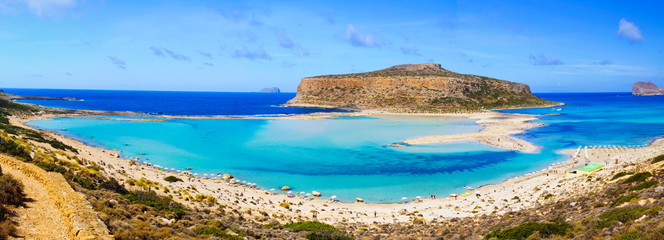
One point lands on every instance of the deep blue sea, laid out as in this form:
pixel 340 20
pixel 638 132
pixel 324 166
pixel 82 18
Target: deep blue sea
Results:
pixel 169 103
pixel 346 157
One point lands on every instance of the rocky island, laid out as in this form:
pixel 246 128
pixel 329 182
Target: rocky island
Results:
pixel 270 90
pixel 646 89
pixel 413 88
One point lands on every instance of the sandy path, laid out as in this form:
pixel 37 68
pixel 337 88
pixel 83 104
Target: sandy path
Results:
pixel 40 218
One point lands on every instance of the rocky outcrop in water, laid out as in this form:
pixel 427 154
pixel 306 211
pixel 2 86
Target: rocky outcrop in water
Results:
pixel 646 89
pixel 413 88
pixel 270 90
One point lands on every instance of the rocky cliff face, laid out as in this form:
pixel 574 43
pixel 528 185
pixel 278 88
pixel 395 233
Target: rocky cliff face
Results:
pixel 646 89
pixel 413 88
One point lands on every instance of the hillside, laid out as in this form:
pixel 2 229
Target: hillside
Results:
pixel 413 88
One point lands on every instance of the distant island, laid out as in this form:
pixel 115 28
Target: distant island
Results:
pixel 8 96
pixel 646 89
pixel 413 88
pixel 270 90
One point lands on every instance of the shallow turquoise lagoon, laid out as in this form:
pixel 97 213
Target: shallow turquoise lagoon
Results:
pixel 346 157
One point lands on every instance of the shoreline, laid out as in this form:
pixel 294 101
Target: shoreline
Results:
pixel 499 196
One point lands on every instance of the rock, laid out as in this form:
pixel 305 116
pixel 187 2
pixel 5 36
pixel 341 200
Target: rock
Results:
pixel 413 88
pixel 227 176
pixel 359 200
pixel 315 193
pixel 270 90
pixel 646 89
pixel 285 188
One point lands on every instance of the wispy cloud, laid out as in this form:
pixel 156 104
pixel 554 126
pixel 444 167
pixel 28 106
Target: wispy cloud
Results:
pixel 252 55
pixel 328 17
pixel 205 54
pixel 357 39
pixel 410 51
pixel 604 62
pixel 48 8
pixel 208 64
pixel 118 62
pixel 541 60
pixel 629 31
pixel 163 52
pixel 284 41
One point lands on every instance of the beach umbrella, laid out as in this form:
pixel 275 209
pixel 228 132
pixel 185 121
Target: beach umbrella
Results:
pixel 404 198
pixel 418 197
pixel 333 197
pixel 272 189
pixel 453 195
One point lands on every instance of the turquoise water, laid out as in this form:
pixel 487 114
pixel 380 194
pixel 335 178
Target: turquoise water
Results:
pixel 346 157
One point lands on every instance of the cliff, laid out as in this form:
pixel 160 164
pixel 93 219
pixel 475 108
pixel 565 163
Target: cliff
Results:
pixel 413 88
pixel 646 89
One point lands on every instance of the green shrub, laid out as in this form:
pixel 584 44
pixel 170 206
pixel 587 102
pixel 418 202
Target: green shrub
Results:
pixel 172 179
pixel 639 177
pixel 621 215
pixel 633 235
pixel 624 199
pixel 114 186
pixel 621 174
pixel 51 167
pixel 524 230
pixel 643 185
pixel 327 236
pixel 214 231
pixel 658 159
pixel 159 202
pixel 11 191
pixel 312 226
pixel 12 148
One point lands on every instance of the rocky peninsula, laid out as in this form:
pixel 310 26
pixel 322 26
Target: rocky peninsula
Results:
pixel 413 88
pixel 646 89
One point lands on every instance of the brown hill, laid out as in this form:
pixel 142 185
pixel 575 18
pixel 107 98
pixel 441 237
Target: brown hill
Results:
pixel 413 88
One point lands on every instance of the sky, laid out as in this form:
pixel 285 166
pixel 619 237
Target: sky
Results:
pixel 244 46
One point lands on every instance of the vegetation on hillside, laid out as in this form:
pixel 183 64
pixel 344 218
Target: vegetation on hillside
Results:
pixel 11 195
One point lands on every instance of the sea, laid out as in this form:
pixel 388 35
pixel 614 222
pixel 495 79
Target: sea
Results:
pixel 345 157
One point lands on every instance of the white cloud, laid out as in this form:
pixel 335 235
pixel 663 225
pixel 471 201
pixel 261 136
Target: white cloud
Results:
pixel 48 8
pixel 358 39
pixel 629 31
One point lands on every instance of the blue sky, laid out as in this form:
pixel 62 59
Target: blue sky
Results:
pixel 554 46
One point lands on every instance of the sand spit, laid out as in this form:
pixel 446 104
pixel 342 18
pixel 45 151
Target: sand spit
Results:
pixel 551 184
pixel 496 132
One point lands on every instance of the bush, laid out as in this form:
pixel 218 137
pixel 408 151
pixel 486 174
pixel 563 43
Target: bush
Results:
pixel 524 230
pixel 658 159
pixel 172 179
pixel 639 177
pixel 159 202
pixel 621 215
pixel 621 174
pixel 633 235
pixel 11 191
pixel 10 147
pixel 643 185
pixel 312 226
pixel 114 186
pixel 327 236
pixel 51 167
pixel 624 199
